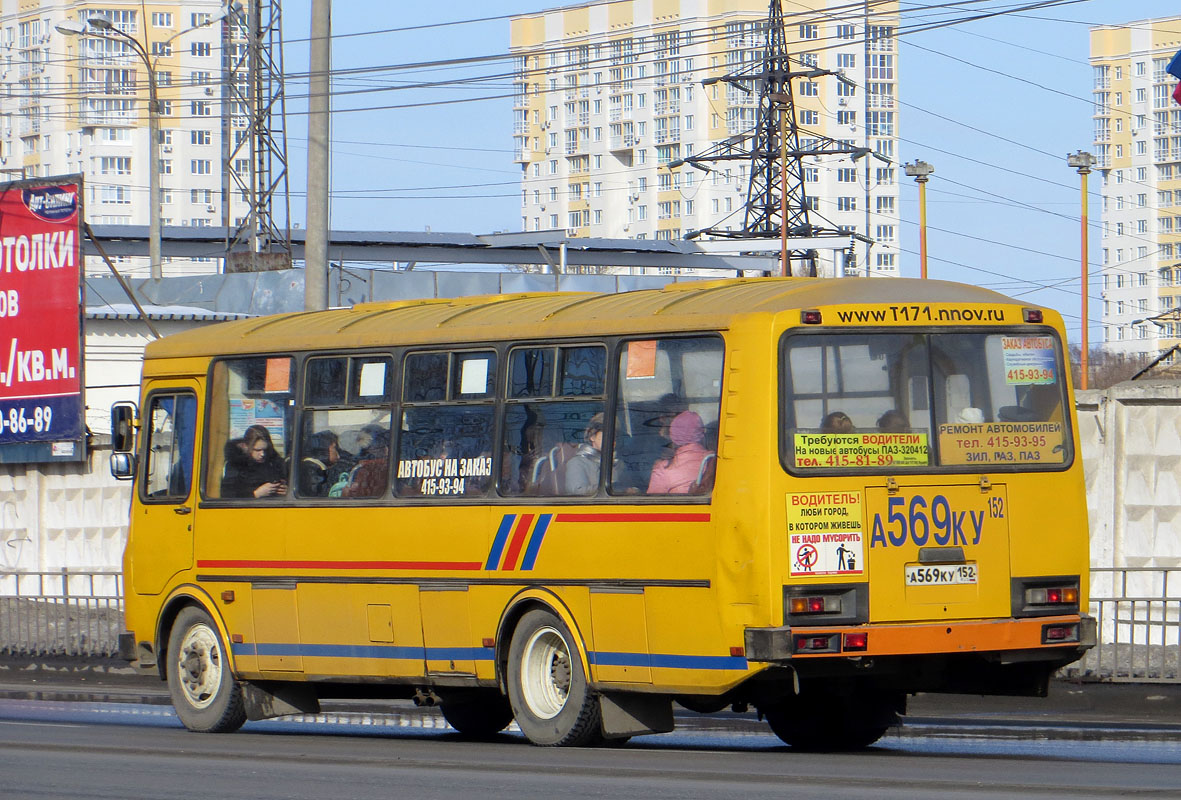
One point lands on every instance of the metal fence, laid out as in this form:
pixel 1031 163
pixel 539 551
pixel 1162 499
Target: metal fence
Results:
pixel 68 612
pixel 79 613
pixel 1138 611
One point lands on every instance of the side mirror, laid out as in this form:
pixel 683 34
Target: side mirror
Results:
pixel 123 466
pixel 123 427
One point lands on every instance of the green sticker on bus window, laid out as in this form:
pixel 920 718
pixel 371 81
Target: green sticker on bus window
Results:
pixel 840 450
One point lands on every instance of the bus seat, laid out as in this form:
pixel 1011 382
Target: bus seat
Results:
pixel 548 471
pixel 705 475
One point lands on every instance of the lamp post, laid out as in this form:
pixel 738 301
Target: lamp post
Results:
pixel 1083 161
pixel 921 172
pixel 104 25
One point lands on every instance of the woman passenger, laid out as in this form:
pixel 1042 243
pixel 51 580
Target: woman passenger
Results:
pixel 260 471
pixel 677 474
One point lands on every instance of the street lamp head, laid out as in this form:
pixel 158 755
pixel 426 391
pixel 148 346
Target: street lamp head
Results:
pixel 919 170
pixel 1081 160
pixel 70 27
pixel 100 23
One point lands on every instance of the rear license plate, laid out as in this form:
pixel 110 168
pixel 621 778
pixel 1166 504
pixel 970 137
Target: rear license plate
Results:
pixel 941 575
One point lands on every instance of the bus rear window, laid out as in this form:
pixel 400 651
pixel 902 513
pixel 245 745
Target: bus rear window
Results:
pixel 902 401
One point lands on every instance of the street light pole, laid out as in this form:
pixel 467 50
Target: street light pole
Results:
pixel 72 28
pixel 1083 161
pixel 921 172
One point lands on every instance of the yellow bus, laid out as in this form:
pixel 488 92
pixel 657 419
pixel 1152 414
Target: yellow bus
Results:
pixel 807 497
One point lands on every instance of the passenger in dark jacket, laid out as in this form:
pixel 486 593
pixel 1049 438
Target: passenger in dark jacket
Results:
pixel 322 465
pixel 256 470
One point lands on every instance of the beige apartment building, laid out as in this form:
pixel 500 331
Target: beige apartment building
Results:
pixel 607 94
pixel 1137 146
pixel 77 103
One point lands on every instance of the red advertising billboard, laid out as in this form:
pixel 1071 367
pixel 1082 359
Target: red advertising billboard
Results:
pixel 41 405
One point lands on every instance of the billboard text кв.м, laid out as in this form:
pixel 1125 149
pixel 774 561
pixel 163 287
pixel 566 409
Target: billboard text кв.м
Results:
pixel 40 318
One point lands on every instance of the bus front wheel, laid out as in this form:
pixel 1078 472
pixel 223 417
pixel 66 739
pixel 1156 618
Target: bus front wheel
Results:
pixel 547 686
pixel 204 692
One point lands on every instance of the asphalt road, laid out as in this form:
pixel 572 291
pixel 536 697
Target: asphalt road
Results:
pixel 54 749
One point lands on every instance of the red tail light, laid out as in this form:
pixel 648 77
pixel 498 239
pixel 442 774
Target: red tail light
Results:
pixel 856 641
pixel 814 604
pixel 1033 315
pixel 810 317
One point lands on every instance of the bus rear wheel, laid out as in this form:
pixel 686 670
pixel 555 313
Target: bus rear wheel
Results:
pixel 835 721
pixel 477 714
pixel 547 685
pixel 205 694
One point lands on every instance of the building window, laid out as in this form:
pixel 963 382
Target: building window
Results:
pixel 201 137
pixel 161 19
pixel 201 166
pixel 809 31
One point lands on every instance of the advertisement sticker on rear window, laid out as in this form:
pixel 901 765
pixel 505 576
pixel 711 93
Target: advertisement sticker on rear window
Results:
pixel 1028 359
pixel 824 533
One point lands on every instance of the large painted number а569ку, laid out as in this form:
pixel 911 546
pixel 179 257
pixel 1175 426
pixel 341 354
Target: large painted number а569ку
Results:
pixel 937 523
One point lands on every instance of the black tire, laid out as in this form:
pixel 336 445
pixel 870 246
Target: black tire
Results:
pixel 547 686
pixel 477 715
pixel 205 694
pixel 834 721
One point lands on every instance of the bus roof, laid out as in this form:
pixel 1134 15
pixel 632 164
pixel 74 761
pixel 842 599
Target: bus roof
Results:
pixel 699 305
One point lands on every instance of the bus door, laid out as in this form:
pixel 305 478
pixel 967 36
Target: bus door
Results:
pixel 162 525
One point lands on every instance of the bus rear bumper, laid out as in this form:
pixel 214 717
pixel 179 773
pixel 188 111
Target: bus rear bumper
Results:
pixel 1034 639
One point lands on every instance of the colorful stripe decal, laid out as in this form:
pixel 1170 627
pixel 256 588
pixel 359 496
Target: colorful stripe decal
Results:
pixel 518 537
pixel 418 653
pixel 535 542
pixel 514 548
pixel 506 525
pixel 424 566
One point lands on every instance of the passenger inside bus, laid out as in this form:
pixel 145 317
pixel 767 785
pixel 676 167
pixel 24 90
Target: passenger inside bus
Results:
pixel 322 465
pixel 893 421
pixel 678 474
pixel 368 478
pixel 836 422
pixel 253 467
pixel 581 472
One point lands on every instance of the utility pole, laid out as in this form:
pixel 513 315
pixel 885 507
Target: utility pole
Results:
pixel 1083 161
pixel 921 172
pixel 319 88
pixel 777 204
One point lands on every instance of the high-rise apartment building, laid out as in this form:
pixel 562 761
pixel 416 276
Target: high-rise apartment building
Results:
pixel 609 93
pixel 1138 153
pixel 79 103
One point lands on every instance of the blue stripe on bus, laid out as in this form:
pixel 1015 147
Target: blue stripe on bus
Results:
pixel 506 525
pixel 366 651
pixel 535 542
pixel 389 651
pixel 606 659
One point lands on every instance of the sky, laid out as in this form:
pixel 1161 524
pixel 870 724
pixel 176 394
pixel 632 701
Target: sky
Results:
pixel 994 104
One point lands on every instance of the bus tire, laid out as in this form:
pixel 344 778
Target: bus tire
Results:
pixel 477 715
pixel 833 722
pixel 205 694
pixel 547 687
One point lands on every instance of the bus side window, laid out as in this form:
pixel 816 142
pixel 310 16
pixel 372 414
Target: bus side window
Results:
pixel 553 421
pixel 667 414
pixel 246 393
pixel 168 472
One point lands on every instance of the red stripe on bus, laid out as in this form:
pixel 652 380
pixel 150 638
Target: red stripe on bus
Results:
pixel 653 517
pixel 514 548
pixel 416 565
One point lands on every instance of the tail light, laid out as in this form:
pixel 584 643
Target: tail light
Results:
pixel 1052 596
pixel 1058 634
pixel 1033 315
pixel 817 643
pixel 815 604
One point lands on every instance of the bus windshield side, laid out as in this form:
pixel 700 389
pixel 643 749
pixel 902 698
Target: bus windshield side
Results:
pixel 915 401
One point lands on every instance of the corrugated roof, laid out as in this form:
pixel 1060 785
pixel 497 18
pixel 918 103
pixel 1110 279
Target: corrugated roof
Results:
pixel 701 304
pixel 126 311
